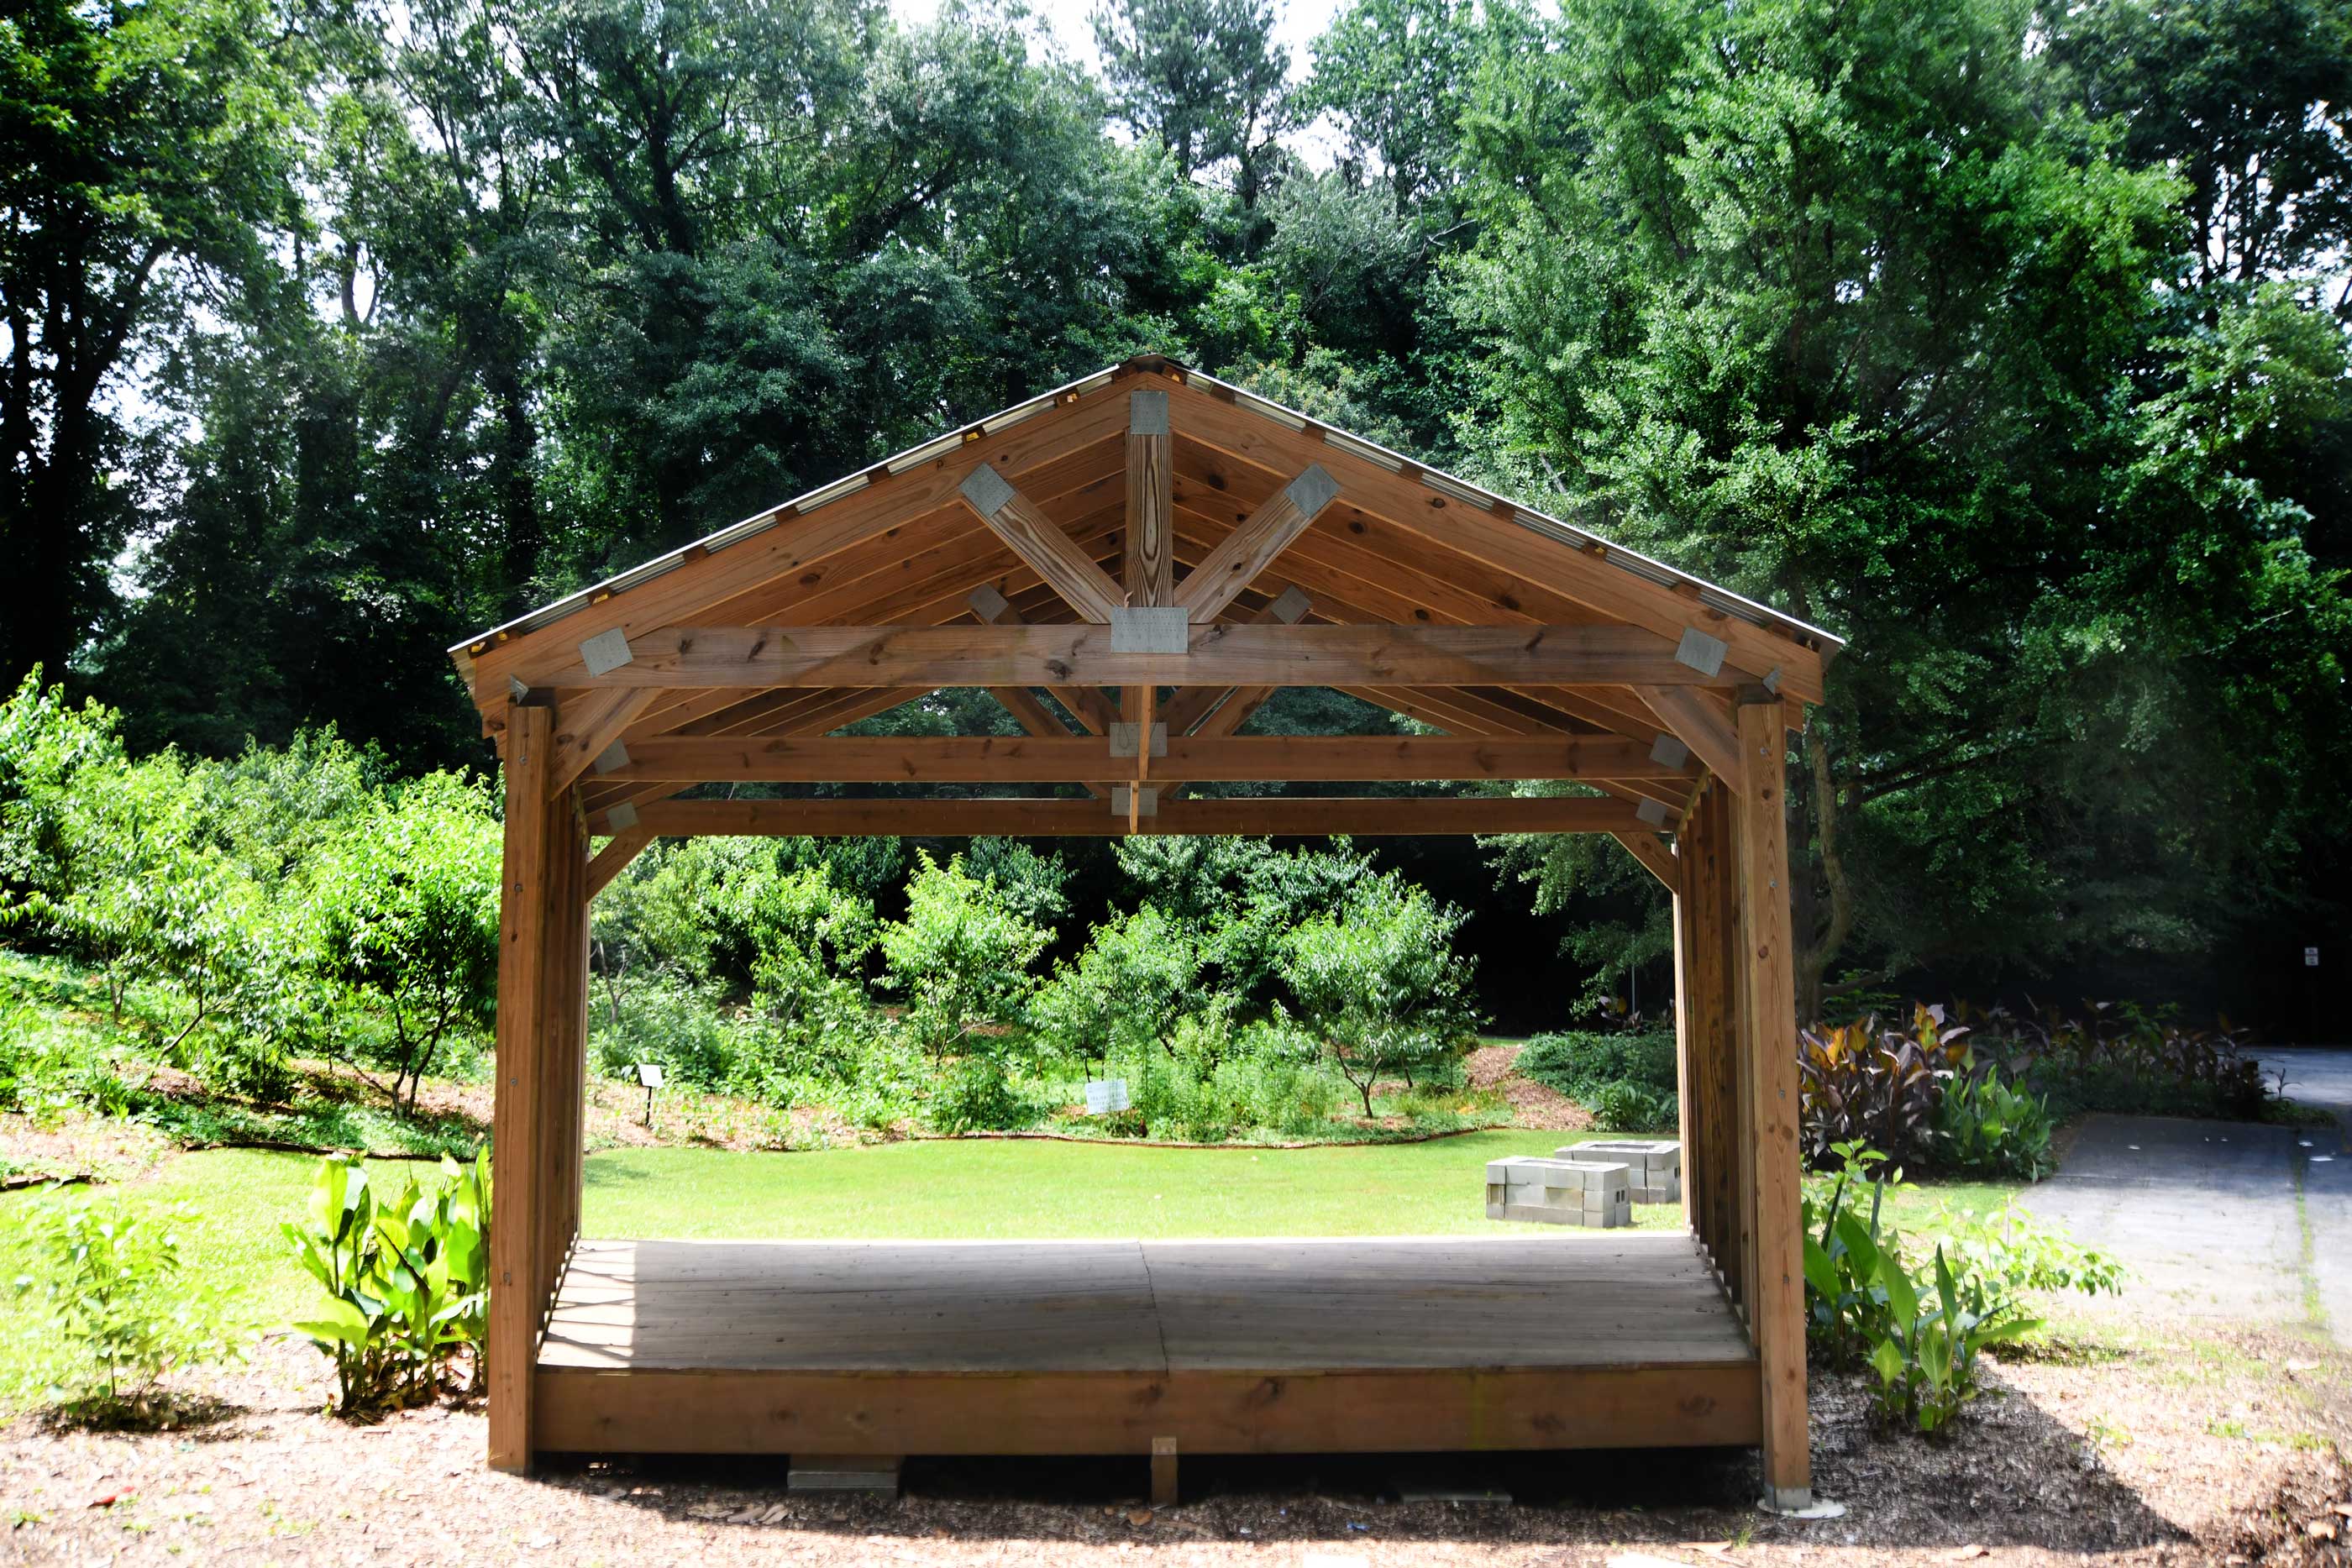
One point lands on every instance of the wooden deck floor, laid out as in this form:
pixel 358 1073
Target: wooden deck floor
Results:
pixel 1100 1346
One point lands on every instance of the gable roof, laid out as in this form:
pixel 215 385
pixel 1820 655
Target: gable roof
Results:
pixel 1401 543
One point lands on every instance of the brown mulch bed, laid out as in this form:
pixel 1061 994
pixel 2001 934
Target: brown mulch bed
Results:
pixel 1532 1104
pixel 2203 1450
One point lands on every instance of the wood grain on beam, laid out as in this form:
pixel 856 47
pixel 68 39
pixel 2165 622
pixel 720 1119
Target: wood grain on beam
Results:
pixel 1697 726
pixel 931 656
pixel 1038 540
pixel 586 723
pixel 1655 857
pixel 1284 816
pixel 614 857
pixel 1238 558
pixel 1048 759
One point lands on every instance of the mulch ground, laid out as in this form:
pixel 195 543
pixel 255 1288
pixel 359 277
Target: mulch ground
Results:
pixel 1532 1104
pixel 2209 1448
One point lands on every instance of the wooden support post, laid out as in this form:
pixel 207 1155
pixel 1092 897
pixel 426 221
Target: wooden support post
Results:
pixel 563 1045
pixel 1685 1077
pixel 1149 566
pixel 524 908
pixel 1777 1312
pixel 1163 1472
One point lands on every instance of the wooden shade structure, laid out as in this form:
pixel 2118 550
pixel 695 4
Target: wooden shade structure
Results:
pixel 1132 564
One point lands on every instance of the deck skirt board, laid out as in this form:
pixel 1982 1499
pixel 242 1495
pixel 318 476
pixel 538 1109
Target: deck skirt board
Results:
pixel 1076 1347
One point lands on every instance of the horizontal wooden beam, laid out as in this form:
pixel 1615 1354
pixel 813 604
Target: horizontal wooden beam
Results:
pixel 1036 760
pixel 1257 817
pixel 1231 656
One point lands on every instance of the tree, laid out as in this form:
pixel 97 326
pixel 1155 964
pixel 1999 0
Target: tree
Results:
pixel 1137 976
pixel 1379 982
pixel 960 958
pixel 2249 102
pixel 407 916
pixel 1203 78
pixel 1398 74
pixel 1764 330
pixel 143 150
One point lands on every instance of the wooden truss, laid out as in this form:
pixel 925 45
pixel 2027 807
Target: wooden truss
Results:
pixel 1131 565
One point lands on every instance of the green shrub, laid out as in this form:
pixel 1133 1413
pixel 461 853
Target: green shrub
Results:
pixel 120 1304
pixel 666 1016
pixel 407 1281
pixel 2013 1251
pixel 1987 1127
pixel 2125 1059
pixel 1922 1323
pixel 978 1095
pixel 1630 1107
pixel 1581 1063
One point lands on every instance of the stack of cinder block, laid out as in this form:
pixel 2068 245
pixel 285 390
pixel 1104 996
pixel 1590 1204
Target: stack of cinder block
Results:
pixel 1559 1191
pixel 1654 1165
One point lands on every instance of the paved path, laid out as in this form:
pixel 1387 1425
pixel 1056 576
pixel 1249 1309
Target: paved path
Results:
pixel 2224 1219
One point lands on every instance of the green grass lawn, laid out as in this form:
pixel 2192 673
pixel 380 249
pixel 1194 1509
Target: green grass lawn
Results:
pixel 1041 1188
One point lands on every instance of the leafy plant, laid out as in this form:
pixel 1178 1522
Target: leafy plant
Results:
pixel 1137 977
pixel 2122 1058
pixel 1926 1362
pixel 113 1283
pixel 2011 1251
pixel 1637 1108
pixel 1845 1304
pixel 407 1281
pixel 1862 1082
pixel 1992 1127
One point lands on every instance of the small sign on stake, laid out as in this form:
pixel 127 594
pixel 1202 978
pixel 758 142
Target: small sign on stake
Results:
pixel 1106 1096
pixel 649 1078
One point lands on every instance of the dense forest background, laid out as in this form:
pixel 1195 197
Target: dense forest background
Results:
pixel 2007 341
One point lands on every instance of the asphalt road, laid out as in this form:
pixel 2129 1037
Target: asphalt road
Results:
pixel 2223 1219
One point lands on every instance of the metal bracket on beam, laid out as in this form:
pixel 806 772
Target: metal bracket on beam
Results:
pixel 1701 652
pixel 986 490
pixel 612 756
pixel 1122 739
pixel 1152 628
pixel 1291 608
pixel 516 691
pixel 1669 752
pixel 621 818
pixel 1653 812
pixel 1772 679
pixel 606 651
pixel 1146 803
pixel 1312 490
pixel 987 603
pixel 1147 413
